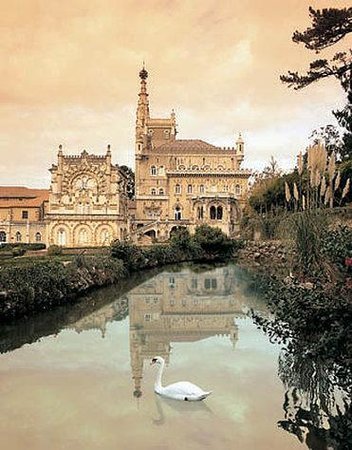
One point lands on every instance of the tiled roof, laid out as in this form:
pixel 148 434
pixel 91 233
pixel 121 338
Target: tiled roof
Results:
pixel 20 196
pixel 189 146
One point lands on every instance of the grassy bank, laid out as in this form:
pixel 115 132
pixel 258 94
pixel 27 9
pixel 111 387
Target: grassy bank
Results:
pixel 27 288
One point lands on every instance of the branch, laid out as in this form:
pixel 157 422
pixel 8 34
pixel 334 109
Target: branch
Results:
pixel 340 67
pixel 329 26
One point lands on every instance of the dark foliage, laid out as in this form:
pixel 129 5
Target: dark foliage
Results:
pixel 130 181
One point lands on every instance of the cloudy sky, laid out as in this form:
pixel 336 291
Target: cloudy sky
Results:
pixel 69 75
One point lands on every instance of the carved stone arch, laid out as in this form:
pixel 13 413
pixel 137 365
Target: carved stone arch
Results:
pixel 60 234
pixel 82 235
pixel 104 234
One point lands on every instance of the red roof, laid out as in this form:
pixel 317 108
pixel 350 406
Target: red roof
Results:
pixel 196 146
pixel 20 196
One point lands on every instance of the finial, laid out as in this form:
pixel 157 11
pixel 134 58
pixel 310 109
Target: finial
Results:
pixel 109 147
pixel 143 74
pixel 60 147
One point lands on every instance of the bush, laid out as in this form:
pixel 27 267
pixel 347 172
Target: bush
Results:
pixel 18 251
pixel 213 242
pixel 337 245
pixel 35 246
pixel 130 254
pixel 54 250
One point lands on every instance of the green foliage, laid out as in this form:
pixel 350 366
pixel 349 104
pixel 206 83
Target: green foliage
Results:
pixel 214 243
pixel 131 255
pixel 307 229
pixel 337 245
pixel 18 251
pixel 39 286
pixel 54 250
pixel 33 247
pixel 130 181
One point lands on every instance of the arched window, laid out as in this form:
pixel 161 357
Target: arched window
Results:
pixel 200 212
pixel 61 237
pixel 219 213
pixel 83 236
pixel 178 189
pixel 153 191
pixel 189 189
pixel 18 236
pixel 161 170
pixel 105 237
pixel 212 213
pixel 237 189
pixel 153 170
pixel 201 188
pixel 161 191
pixel 38 237
pixel 2 236
pixel 178 215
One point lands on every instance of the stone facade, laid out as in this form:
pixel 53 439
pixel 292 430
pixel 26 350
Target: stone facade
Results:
pixel 22 212
pixel 87 202
pixel 183 182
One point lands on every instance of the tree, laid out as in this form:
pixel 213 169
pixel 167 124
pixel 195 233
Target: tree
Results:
pixel 330 136
pixel 130 181
pixel 329 26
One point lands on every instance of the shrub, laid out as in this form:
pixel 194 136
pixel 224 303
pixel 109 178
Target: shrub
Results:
pixel 213 242
pixel 130 254
pixel 337 245
pixel 54 250
pixel 18 251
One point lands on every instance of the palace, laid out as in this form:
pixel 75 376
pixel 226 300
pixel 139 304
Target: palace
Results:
pixel 178 183
pixel 183 182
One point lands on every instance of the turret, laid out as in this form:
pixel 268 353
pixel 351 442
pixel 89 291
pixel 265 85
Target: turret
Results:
pixel 240 149
pixel 142 114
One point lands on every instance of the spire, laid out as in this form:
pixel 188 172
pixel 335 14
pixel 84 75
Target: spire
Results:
pixel 143 105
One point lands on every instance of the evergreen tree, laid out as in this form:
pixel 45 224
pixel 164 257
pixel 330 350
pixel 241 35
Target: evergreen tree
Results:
pixel 329 26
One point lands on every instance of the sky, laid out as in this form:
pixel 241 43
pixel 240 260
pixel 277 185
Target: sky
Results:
pixel 69 75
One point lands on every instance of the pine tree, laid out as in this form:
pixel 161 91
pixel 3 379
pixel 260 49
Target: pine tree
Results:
pixel 329 26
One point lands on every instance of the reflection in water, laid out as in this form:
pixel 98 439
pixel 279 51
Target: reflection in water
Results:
pixel 182 408
pixel 179 306
pixel 317 410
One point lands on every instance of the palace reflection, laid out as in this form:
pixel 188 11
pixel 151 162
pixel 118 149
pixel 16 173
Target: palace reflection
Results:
pixel 181 307
pixel 175 306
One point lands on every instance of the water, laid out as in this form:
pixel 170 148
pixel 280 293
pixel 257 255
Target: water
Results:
pixel 80 377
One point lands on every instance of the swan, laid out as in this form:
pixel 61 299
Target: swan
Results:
pixel 182 390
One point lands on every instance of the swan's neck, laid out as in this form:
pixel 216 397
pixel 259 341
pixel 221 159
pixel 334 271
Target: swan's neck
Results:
pixel 157 384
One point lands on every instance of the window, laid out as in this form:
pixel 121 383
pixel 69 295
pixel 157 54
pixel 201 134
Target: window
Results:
pixel 147 317
pixel 172 282
pixel 200 212
pixel 219 213
pixel 178 189
pixel 212 213
pixel 153 170
pixel 189 189
pixel 237 189
pixel 210 283
pixel 194 283
pixel 38 237
pixel 153 191
pixel 2 236
pixel 178 214
pixel 18 237
pixel 172 302
pixel 161 191
pixel 184 302
pixel 61 237
pixel 201 188
pixel 83 236
pixel 161 170
pixel 24 214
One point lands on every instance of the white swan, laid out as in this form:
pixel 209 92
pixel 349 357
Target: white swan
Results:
pixel 182 390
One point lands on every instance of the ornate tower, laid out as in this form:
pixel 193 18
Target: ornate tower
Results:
pixel 240 149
